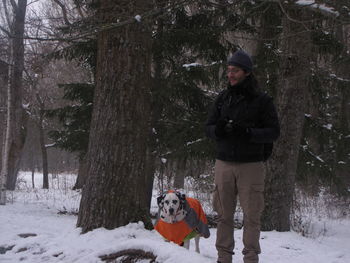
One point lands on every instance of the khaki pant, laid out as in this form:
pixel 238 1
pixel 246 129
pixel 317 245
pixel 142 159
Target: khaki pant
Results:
pixel 247 181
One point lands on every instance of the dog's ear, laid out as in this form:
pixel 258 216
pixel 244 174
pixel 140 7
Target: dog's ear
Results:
pixel 160 200
pixel 183 197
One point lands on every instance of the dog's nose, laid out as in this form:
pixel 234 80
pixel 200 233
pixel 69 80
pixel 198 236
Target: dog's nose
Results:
pixel 171 211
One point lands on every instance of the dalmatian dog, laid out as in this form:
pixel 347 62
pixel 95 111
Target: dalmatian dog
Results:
pixel 174 211
pixel 171 207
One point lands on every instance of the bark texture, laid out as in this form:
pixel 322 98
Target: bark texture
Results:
pixel 291 100
pixel 115 191
pixel 82 174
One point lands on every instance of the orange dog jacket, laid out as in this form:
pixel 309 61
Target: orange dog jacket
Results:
pixel 195 220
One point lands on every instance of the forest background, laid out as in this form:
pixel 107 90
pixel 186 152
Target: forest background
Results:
pixel 118 92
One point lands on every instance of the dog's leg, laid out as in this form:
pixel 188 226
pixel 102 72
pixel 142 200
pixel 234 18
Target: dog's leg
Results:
pixel 196 240
pixel 187 244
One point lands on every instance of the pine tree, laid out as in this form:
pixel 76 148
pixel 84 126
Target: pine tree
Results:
pixel 74 118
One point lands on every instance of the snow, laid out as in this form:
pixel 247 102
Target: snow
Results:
pixel 328 126
pixel 190 143
pixel 338 78
pixel 138 18
pixel 191 65
pixel 58 240
pixel 322 7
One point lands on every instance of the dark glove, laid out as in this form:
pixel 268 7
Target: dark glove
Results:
pixel 238 131
pixel 220 128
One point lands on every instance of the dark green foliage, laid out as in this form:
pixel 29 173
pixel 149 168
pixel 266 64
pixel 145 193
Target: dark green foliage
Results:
pixel 183 92
pixel 190 55
pixel 326 42
pixel 268 57
pixel 83 52
pixel 325 147
pixel 74 118
pixel 180 101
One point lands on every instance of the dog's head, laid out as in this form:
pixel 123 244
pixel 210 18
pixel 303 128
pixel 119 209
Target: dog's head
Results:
pixel 171 206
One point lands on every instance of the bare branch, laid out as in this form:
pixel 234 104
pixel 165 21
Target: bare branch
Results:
pixel 290 18
pixel 14 5
pixel 5 31
pixel 80 11
pixel 32 2
pixel 6 12
pixel 64 11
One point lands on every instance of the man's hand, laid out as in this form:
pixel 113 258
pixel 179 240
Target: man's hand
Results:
pixel 220 128
pixel 242 132
pixel 236 130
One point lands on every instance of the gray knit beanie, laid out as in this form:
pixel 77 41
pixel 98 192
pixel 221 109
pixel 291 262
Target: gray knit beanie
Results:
pixel 241 59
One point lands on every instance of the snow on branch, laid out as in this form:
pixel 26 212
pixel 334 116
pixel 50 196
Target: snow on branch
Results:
pixel 339 78
pixel 321 7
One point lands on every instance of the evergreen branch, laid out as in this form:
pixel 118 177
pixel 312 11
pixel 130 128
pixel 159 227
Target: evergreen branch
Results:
pixel 110 26
pixel 331 27
pixel 188 144
pixel 290 18
pixel 314 6
pixel 158 12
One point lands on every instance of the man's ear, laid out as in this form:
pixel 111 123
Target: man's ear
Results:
pixel 160 199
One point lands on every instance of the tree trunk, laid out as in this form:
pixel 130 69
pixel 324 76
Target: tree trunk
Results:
pixel 115 192
pixel 43 150
pixel 149 173
pixel 341 171
pixel 16 120
pixel 180 174
pixel 291 101
pixel 82 173
pixel 33 173
pixel 40 125
pixel 3 98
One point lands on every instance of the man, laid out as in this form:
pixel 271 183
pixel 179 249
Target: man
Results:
pixel 243 122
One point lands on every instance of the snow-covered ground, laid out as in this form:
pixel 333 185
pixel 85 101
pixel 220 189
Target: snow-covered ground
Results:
pixel 58 240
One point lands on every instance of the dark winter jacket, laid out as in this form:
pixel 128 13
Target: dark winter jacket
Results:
pixel 248 108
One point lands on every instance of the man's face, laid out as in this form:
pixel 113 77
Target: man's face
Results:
pixel 236 75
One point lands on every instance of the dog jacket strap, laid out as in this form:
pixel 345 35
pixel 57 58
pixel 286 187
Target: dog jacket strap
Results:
pixel 196 218
pixel 191 235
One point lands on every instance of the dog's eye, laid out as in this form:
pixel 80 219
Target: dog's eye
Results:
pixel 167 202
pixel 174 202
